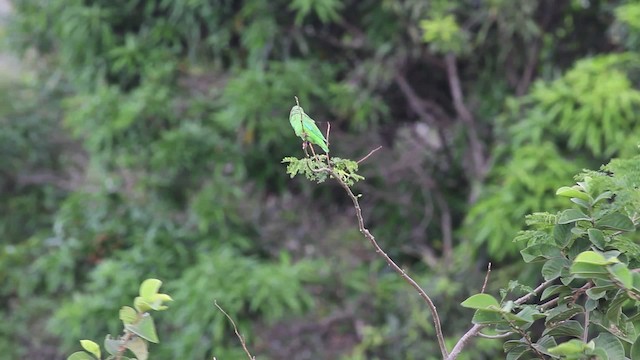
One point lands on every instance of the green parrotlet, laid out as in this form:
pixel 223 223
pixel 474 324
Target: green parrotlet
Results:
pixel 306 128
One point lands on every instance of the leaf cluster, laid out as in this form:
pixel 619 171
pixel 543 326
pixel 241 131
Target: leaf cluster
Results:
pixel 589 258
pixel 139 327
pixel 316 168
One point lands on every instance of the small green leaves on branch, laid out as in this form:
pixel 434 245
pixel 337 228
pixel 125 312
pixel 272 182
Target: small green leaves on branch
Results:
pixel 138 324
pixel 316 169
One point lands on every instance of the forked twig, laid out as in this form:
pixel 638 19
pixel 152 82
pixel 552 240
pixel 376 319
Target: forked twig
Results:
pixel 369 154
pixel 235 328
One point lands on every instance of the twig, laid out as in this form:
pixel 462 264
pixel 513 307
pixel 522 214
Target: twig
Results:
pixel 477 149
pixel 523 299
pixel 369 154
pixel 475 329
pixel 525 336
pixel 486 278
pixel 394 266
pixel 585 334
pixel 445 224
pixel 244 345
pixel 125 339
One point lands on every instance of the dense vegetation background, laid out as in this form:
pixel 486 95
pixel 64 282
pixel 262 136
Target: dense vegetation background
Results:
pixel 144 138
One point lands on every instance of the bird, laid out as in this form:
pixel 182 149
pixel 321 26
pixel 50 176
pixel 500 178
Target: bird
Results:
pixel 306 128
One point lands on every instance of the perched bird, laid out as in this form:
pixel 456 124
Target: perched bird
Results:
pixel 306 128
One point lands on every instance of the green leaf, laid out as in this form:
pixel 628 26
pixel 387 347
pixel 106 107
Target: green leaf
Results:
pixel 571 216
pixel 611 345
pixel 540 252
pixel 604 195
pixel 589 271
pixel 128 315
pixel 149 288
pixel 581 202
pixel 622 275
pixel 597 238
pixel 635 349
pixel 544 343
pixel 145 328
pixel 571 347
pixel 616 221
pixel 80 355
pixel 554 289
pixel 488 317
pixel 598 292
pixel 516 352
pixel 571 328
pixel 112 345
pixel 91 347
pixel 141 304
pixel 592 257
pixel 573 193
pixel 553 268
pixel 562 312
pixel 481 301
pixel 562 234
pixel 139 348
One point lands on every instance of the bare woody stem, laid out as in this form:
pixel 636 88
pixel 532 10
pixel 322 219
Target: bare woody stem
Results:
pixel 235 329
pixel 475 329
pixel 394 266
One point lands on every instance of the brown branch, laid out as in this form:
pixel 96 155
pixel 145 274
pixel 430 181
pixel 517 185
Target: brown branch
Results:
pixel 486 278
pixel 369 154
pixel 446 225
pixel 585 334
pixel 122 348
pixel 403 274
pixel 477 149
pixel 235 328
pixel 475 329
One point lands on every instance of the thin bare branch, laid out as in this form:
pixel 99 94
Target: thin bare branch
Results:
pixel 486 278
pixel 369 154
pixel 446 225
pixel 403 274
pixel 475 329
pixel 235 328
pixel 585 334
pixel 523 299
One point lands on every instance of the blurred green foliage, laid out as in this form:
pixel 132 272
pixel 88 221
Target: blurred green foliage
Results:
pixel 143 139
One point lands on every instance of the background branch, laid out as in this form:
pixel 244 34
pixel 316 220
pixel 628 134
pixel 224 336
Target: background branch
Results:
pixel 477 148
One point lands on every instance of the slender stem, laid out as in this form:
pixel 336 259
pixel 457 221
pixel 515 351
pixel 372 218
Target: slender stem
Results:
pixel 394 266
pixel 585 334
pixel 125 339
pixel 235 328
pixel 475 329
pixel 369 154
pixel 486 278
